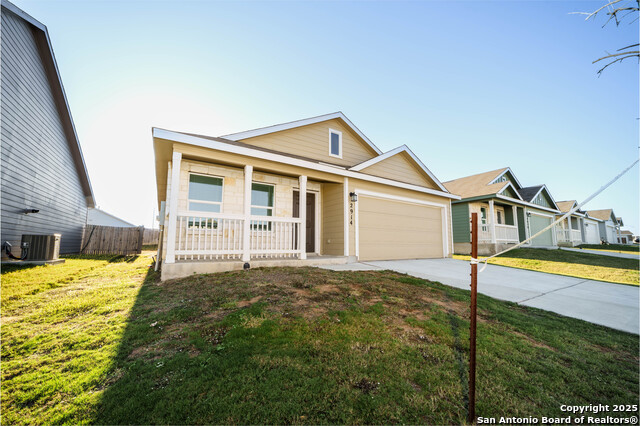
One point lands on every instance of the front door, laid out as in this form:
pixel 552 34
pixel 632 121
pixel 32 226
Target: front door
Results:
pixel 311 218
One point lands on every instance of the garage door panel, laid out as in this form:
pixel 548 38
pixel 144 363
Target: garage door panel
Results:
pixel 391 229
pixel 538 223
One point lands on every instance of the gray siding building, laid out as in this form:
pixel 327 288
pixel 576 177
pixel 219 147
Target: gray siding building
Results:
pixel 42 164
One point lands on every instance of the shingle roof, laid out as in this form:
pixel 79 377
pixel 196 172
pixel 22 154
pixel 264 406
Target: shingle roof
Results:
pixel 565 206
pixel 476 185
pixel 601 214
pixel 529 192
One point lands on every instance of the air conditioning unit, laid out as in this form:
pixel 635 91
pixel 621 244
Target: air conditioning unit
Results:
pixel 41 247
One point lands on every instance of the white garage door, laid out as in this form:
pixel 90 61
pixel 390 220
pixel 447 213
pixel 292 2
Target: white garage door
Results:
pixel 591 233
pixel 390 229
pixel 611 234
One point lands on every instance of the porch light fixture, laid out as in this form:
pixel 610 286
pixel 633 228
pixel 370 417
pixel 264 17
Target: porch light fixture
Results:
pixel 353 196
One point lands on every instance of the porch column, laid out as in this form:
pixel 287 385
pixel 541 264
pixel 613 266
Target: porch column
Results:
pixel 173 207
pixel 492 222
pixel 347 203
pixel 246 224
pixel 303 217
pixel 514 211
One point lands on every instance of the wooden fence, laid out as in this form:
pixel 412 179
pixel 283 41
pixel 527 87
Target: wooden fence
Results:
pixel 150 236
pixel 112 240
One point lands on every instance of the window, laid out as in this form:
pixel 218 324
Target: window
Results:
pixel 262 196
pixel 483 218
pixel 499 217
pixel 335 143
pixel 205 195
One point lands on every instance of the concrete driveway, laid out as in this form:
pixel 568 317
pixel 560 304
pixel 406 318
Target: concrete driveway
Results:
pixel 608 304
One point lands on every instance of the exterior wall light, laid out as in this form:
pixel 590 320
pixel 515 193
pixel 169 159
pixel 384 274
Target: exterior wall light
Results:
pixel 353 196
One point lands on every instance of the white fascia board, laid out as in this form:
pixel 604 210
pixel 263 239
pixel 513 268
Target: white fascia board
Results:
pixel 299 123
pixel 512 174
pixel 525 203
pixel 278 158
pixel 514 189
pixel 403 148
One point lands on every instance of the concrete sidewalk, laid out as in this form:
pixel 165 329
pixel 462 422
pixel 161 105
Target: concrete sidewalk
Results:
pixel 608 304
pixel 603 253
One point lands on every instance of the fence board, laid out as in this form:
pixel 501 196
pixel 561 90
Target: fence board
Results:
pixel 112 240
pixel 150 236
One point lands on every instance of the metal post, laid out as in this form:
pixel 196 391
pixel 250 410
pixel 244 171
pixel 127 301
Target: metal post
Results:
pixel 472 332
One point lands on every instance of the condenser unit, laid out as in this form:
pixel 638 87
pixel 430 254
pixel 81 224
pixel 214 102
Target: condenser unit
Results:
pixel 41 247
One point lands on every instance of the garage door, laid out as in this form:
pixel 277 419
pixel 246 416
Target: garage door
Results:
pixel 591 233
pixel 389 229
pixel 611 234
pixel 537 224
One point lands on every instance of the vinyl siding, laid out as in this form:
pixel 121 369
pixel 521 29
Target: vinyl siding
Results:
pixel 460 221
pixel 332 205
pixel 38 171
pixel 400 167
pixel 312 141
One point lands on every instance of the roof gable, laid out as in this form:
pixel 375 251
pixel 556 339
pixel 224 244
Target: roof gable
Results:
pixel 477 185
pixel 311 138
pixel 539 195
pixel 605 214
pixel 510 191
pixel 507 176
pixel 400 164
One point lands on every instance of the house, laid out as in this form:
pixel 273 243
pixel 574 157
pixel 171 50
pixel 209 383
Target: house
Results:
pixel 608 225
pixel 305 192
pixel 572 231
pixel 45 184
pixel 626 237
pixel 97 216
pixel 508 212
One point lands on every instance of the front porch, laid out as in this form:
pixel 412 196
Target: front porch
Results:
pixel 262 218
pixel 569 233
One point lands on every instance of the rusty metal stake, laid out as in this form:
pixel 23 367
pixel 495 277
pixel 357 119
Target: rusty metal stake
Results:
pixel 472 332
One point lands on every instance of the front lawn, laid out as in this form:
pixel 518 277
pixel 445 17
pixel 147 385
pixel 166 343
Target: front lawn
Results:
pixel 574 264
pixel 615 248
pixel 109 344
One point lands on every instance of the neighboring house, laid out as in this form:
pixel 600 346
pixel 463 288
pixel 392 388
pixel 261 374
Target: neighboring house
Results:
pixel 508 213
pixel 626 237
pixel 608 225
pixel 45 185
pixel 316 187
pixel 100 217
pixel 572 231
pixel 591 229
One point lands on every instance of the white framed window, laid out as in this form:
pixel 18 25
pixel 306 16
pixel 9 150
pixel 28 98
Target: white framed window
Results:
pixel 335 143
pixel 262 203
pixel 205 195
pixel 499 213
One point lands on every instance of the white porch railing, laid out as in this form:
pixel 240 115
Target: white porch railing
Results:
pixel 568 235
pixel 274 236
pixel 219 236
pixel 504 233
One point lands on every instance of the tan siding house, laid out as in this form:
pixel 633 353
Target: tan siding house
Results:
pixel 309 192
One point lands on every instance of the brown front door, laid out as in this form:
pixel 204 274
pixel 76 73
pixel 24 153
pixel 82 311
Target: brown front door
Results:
pixel 311 218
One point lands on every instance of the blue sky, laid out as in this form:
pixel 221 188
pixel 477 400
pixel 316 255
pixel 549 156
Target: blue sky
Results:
pixel 469 86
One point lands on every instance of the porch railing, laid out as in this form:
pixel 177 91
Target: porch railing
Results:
pixel 568 235
pixel 504 233
pixel 219 236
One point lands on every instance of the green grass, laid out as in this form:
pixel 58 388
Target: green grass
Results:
pixel 112 345
pixel 571 263
pixel 616 248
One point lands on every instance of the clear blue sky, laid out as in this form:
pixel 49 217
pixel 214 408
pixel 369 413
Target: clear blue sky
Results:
pixel 469 86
